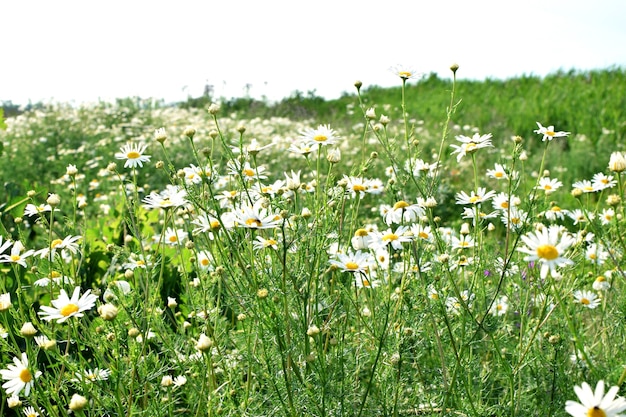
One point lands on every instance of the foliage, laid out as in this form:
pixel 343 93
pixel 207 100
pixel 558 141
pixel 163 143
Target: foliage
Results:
pixel 411 258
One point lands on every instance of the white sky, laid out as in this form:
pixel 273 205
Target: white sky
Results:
pixel 85 50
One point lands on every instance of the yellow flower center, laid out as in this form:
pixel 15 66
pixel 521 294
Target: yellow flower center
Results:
pixel 361 233
pixel 504 204
pixel 55 243
pixel 320 138
pixel 254 222
pixel 215 224
pixel 55 274
pixel 358 187
pixel 556 209
pixel 516 220
pixel 470 147
pixel 550 133
pixel 26 376
pixel 400 205
pixel 423 235
pixel 600 278
pixel 15 258
pixel 204 262
pixel 68 310
pixel 584 301
pixel 271 242
pixel 248 172
pixel 499 175
pixel 547 187
pixel 351 265
pixel 405 74
pixel 366 282
pixel 133 155
pixel 173 238
pixel 548 252
pixel 141 262
pixel 473 199
pixel 596 412
pixel 390 237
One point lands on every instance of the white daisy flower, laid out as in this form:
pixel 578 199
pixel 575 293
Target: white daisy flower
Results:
pixel 133 154
pixel 549 133
pixel 65 307
pixel 595 404
pixel 586 299
pixel 19 377
pixel 547 247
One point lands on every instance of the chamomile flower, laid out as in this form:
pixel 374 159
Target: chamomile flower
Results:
pixel 601 283
pixel 549 185
pixel 595 403
pixel 470 145
pixel 172 237
pixel 405 72
pixel 33 210
pixel 617 162
pixel 256 217
pixel 17 256
pixel 394 238
pixel 65 307
pixel 549 133
pixel 92 375
pixel 172 196
pixel 5 301
pixel 4 245
pixel 19 376
pixel 262 243
pixel 476 197
pixel 403 212
pixel 353 261
pixel 322 136
pixel 595 253
pixel 63 247
pixel 499 172
pixel 500 306
pixel 547 247
pixel 133 154
pixel 586 298
pixel 31 412
pixel 606 216
pixel 361 239
pixel 205 259
pixel 584 185
pixel 601 181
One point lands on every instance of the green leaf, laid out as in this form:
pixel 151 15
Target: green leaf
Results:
pixel 2 124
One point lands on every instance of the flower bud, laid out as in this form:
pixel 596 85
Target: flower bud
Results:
pixel 78 402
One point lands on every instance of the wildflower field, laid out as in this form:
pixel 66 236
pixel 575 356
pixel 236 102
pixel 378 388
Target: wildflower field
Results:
pixel 378 259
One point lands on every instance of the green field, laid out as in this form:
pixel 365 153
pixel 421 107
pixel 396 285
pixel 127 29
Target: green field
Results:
pixel 443 248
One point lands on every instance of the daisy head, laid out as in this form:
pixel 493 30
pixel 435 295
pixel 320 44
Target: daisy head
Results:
pixel 406 72
pixel 586 299
pixel 322 136
pixel 549 133
pixel 19 376
pixel 65 307
pixel 133 153
pixel 547 246
pixel 595 403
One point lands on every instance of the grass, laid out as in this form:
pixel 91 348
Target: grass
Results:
pixel 390 269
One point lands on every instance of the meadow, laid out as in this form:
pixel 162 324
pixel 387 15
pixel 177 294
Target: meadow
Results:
pixel 443 248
